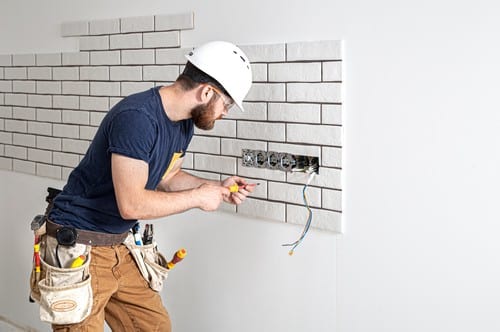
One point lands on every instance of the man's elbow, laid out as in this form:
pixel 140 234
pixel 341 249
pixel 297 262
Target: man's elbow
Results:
pixel 128 211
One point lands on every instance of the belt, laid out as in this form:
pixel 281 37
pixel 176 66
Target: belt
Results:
pixel 88 237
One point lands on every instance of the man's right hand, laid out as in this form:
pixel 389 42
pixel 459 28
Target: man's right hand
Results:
pixel 210 196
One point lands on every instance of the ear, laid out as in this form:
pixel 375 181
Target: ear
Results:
pixel 205 92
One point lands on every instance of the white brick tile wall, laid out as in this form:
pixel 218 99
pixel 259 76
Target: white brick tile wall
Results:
pixel 16 73
pixel 16 152
pixel 94 73
pixel 171 56
pixel 304 113
pixel 133 40
pixel 138 57
pixel 93 43
pixel 161 39
pixel 5 86
pixel 5 163
pixel 47 87
pixel 332 114
pixel 331 157
pixel 328 177
pixel 2 127
pixel 223 128
pixel 24 113
pixel 1 73
pixel 66 73
pixel 94 103
pixel 49 59
pixel 187 162
pixel 308 150
pixel 71 102
pixel 40 101
pixel 5 60
pixel 80 28
pixel 206 175
pixel 261 131
pixel 266 92
pixel 43 156
pixel 102 27
pixel 76 117
pixel 205 144
pixel 24 166
pixel 322 219
pixel 233 147
pixel 48 115
pixel 105 88
pixel 218 164
pixel 75 88
pixel 253 111
pixel 183 21
pixel 99 58
pixel 264 53
pixel 23 139
pixel 49 143
pixel 260 173
pixel 63 130
pixel 295 72
pixel 75 146
pixel 5 138
pixel 259 72
pixel 317 50
pixel 263 209
pixel 314 92
pixel 23 60
pixel 128 88
pixel 65 159
pixel 48 171
pixel 23 86
pixel 16 99
pixel 332 71
pixel 96 118
pixel 160 73
pixel 87 132
pixel 137 24
pixel 332 199
pixel 125 73
pixel 114 100
pixel 40 73
pixel 293 193
pixel 314 134
pixel 16 126
pixel 66 171
pixel 76 59
pixel 40 128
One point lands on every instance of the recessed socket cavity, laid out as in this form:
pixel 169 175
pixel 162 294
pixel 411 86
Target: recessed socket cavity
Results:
pixel 280 161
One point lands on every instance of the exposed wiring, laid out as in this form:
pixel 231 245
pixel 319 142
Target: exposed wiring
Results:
pixel 309 217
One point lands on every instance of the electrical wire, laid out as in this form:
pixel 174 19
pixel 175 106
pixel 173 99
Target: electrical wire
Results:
pixel 309 218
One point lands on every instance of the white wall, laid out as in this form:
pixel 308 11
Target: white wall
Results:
pixel 421 163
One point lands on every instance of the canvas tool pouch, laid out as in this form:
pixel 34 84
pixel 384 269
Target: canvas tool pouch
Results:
pixel 64 293
pixel 151 263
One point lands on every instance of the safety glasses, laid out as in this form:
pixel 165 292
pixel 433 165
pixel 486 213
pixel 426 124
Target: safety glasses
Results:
pixel 227 101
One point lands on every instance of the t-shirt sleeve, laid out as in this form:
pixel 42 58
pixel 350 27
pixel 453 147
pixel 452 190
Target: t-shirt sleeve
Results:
pixel 132 133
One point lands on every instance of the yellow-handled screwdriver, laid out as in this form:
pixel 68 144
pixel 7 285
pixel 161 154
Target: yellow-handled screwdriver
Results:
pixel 235 187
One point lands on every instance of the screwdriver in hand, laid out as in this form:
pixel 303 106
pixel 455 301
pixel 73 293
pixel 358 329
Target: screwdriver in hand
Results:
pixel 235 187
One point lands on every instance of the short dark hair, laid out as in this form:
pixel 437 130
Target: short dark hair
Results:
pixel 191 77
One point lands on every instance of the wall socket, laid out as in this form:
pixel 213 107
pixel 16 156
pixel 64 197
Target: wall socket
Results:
pixel 280 161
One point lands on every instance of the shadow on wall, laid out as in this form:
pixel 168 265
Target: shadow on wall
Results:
pixel 7 325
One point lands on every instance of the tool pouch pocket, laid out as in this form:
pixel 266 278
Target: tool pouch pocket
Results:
pixel 65 293
pixel 151 263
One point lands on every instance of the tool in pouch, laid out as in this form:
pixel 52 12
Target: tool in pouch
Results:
pixel 60 279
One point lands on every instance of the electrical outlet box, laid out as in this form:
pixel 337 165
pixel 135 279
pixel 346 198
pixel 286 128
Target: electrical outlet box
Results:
pixel 280 161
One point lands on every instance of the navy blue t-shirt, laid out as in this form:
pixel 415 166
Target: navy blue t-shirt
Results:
pixel 137 127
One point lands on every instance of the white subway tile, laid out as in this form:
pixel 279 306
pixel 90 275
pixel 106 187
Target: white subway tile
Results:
pixel 2 127
pixel 23 86
pixel 17 73
pixel 67 131
pixel 1 73
pixel 187 162
pixel 66 73
pixel 295 72
pixel 94 73
pixel 40 101
pixel 263 209
pixel 16 99
pixel 76 117
pixel 5 86
pixel 6 163
pixel 65 159
pixel 264 53
pixel 40 128
pixel 49 143
pixel 48 115
pixel 87 132
pixel 66 171
pixel 47 87
pixel 160 73
pixel 2 99
pixel 50 171
pixel 266 92
pixel 332 114
pixel 138 57
pixel 331 157
pixel 16 152
pixel 205 175
pixel 5 138
pixel 170 56
pixel 79 28
pixel 332 199
pixel 161 39
pixel 253 111
pixel 23 60
pixel 259 72
pixel 137 24
pixel 5 60
pixel 183 21
pixel 218 164
pixel 303 150
pixel 321 219
pixel 75 88
pixel 233 147
pixel 105 88
pixel 205 144
pixel 16 126
pixel 113 101
pixel 314 92
pixel 314 134
pixel 96 118
pixel 332 71
pixel 327 177
pixel 94 103
pixel 43 156
pixel 223 128
pixel 74 145
pixel 24 113
pixel 125 73
pixel 260 173
pixel 103 27
pixel 316 50
pixel 99 58
pixel 48 59
pixel 94 43
pixel 24 166
pixel 133 40
pixel 291 193
pixel 304 113
pixel 128 88
pixel 40 73
pixel 261 131
pixel 68 102
pixel 76 59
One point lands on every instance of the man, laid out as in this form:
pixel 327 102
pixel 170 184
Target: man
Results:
pixel 132 170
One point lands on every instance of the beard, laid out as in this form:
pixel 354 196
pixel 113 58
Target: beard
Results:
pixel 204 115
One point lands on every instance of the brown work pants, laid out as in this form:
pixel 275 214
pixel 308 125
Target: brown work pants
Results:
pixel 121 296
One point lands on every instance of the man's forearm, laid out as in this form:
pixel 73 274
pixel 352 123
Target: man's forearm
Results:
pixel 184 181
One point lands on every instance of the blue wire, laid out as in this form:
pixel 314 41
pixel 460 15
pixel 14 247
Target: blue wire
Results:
pixel 306 227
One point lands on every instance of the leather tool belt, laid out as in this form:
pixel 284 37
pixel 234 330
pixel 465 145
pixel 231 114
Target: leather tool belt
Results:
pixel 73 235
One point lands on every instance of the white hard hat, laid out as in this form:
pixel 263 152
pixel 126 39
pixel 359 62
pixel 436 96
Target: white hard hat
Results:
pixel 227 64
